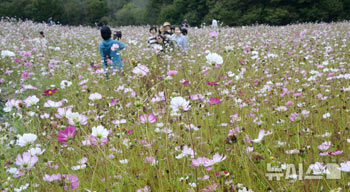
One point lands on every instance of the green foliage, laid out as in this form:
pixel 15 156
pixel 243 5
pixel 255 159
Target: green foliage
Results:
pixel 97 9
pixel 140 12
pixel 129 15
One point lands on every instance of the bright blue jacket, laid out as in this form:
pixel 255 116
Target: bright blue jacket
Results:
pixel 107 53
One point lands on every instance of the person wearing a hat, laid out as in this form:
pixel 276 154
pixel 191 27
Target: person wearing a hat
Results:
pixel 167 30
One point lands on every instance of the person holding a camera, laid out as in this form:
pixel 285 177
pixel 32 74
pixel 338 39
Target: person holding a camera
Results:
pixel 109 49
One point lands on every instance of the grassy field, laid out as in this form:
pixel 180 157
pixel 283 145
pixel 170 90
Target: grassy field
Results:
pixel 243 103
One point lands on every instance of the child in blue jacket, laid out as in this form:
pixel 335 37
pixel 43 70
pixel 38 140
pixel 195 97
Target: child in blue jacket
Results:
pixel 109 49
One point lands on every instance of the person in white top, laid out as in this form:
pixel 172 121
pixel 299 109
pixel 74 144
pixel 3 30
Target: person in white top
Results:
pixel 214 23
pixel 40 41
pixel 180 39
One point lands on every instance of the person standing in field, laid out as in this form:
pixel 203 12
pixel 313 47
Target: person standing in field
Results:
pixel 167 30
pixel 184 23
pixel 214 23
pixel 109 50
pixel 179 38
pixel 153 38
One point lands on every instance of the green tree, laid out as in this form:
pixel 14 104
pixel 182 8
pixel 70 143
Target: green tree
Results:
pixel 97 9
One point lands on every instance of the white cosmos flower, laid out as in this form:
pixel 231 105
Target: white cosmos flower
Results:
pixel 229 48
pixel 78 167
pixel 124 161
pixel 65 84
pixel 13 170
pixel 319 168
pixel 99 132
pixel 62 112
pixel 74 117
pixel 22 187
pixel 7 53
pixel 10 104
pixel 95 96
pixel 345 167
pixel 186 151
pixel 26 139
pixel 31 100
pixel 179 103
pixel 54 104
pixel 326 115
pixel 82 161
pixel 214 59
pixel 36 151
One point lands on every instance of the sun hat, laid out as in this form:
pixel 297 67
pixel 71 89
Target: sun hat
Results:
pixel 166 24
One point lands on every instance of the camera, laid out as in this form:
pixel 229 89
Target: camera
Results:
pixel 117 35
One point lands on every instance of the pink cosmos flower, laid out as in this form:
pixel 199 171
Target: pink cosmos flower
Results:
pixel 324 146
pixel 109 61
pixel 25 75
pixel 148 118
pixel 114 47
pixel 53 177
pixel 294 116
pixel 337 152
pixel 97 141
pixel 67 134
pixel 140 70
pixel 214 100
pixel 114 102
pixel 171 72
pixel 216 159
pixel 211 188
pixel 234 118
pixel 151 160
pixel 297 94
pixel 145 189
pixel 288 103
pixel 199 161
pixel 70 180
pixel 197 97
pixel 26 161
pixel 213 34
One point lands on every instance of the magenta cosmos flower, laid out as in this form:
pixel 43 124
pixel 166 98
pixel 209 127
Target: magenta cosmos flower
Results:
pixel 214 100
pixel 49 92
pixel 148 118
pixel 67 134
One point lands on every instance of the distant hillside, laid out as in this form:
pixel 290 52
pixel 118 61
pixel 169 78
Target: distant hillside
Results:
pixel 141 12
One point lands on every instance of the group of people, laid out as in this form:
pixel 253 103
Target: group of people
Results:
pixel 164 39
pixel 168 37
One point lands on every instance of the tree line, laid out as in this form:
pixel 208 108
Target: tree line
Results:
pixel 197 12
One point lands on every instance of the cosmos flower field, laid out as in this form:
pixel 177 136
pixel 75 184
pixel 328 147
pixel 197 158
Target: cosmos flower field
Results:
pixel 240 103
